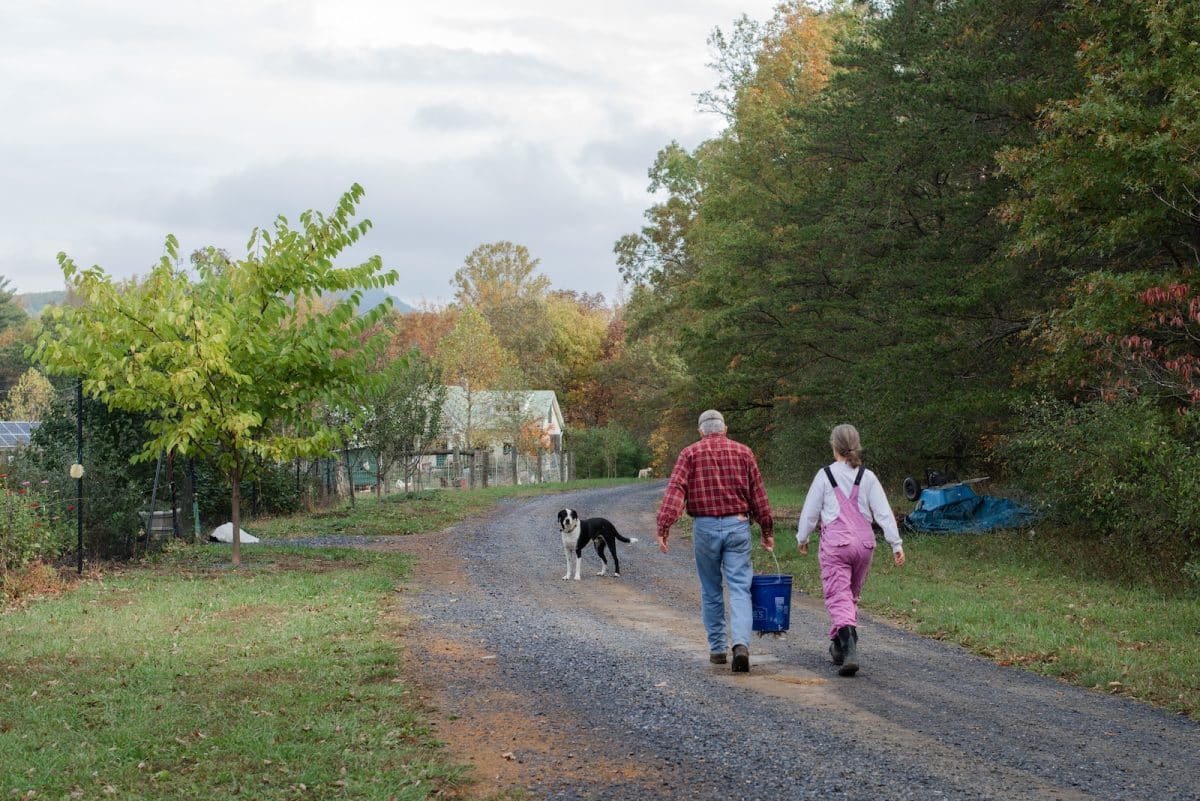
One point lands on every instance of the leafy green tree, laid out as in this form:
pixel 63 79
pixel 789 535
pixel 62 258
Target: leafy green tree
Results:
pixel 11 313
pixel 1112 177
pixel 223 360
pixel 17 333
pixel 843 256
pixel 1109 199
pixel 659 259
pixel 402 413
pixel 608 451
pixel 1110 196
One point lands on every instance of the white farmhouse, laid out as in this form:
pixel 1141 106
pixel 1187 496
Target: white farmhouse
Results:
pixel 520 430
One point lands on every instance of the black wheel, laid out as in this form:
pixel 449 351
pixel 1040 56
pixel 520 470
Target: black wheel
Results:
pixel 912 488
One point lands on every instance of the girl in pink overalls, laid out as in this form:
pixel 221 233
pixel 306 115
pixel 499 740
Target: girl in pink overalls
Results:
pixel 843 499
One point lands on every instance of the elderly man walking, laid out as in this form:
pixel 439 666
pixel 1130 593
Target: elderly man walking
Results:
pixel 719 482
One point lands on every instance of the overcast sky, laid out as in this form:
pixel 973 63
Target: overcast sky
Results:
pixel 466 122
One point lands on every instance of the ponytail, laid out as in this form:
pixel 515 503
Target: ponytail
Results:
pixel 845 443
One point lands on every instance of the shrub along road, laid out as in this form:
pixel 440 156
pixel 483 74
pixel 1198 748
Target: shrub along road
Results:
pixel 601 688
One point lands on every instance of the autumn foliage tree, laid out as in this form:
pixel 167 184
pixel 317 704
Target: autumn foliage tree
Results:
pixel 472 358
pixel 30 398
pixel 220 357
pixel 500 281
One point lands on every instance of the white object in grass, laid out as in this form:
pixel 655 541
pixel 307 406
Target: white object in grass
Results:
pixel 224 533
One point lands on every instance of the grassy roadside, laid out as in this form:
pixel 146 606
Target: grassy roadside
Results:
pixel 186 679
pixel 181 678
pixel 1037 599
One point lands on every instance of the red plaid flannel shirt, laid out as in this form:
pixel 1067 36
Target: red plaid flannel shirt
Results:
pixel 717 477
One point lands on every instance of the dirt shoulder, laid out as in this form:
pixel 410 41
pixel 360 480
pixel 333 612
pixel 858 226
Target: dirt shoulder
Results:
pixel 505 738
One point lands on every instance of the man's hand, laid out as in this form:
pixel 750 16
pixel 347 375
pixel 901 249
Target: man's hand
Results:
pixel 804 549
pixel 769 541
pixel 898 557
pixel 662 542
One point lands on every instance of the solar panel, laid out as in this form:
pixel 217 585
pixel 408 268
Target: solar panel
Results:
pixel 15 433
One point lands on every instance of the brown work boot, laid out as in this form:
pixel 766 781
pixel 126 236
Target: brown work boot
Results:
pixel 741 659
pixel 717 657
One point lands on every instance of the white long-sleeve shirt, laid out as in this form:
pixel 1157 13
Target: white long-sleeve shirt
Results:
pixel 821 505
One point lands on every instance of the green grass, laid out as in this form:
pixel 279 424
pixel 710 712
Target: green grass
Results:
pixel 187 679
pixel 406 513
pixel 1056 604
pixel 183 678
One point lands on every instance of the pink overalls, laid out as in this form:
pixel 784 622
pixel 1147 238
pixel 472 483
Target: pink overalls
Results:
pixel 847 545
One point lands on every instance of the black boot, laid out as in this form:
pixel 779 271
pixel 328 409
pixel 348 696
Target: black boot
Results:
pixel 741 659
pixel 848 639
pixel 835 651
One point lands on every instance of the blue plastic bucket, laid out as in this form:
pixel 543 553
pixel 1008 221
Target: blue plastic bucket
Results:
pixel 771 598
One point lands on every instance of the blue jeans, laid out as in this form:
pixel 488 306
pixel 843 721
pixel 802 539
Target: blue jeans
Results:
pixel 723 548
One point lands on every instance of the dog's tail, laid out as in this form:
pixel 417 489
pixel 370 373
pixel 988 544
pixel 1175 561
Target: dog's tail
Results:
pixel 623 538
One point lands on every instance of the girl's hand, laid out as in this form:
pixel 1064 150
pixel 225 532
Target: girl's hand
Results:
pixel 898 556
pixel 804 549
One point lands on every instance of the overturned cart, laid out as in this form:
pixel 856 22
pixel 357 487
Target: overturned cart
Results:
pixel 953 506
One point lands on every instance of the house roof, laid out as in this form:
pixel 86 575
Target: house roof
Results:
pixel 493 408
pixel 15 433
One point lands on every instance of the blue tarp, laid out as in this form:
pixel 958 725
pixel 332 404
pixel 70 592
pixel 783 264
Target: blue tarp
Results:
pixel 958 509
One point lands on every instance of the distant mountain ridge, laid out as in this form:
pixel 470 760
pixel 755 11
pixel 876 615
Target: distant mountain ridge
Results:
pixel 373 297
pixel 34 302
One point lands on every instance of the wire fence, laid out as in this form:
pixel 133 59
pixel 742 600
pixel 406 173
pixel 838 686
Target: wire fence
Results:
pixel 466 470
pixel 129 506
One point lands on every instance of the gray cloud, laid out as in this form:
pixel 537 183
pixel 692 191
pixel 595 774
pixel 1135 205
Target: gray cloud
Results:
pixel 423 64
pixel 427 217
pixel 631 153
pixel 203 118
pixel 454 117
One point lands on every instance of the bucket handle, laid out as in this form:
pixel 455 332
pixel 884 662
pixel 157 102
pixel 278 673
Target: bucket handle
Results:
pixel 776 558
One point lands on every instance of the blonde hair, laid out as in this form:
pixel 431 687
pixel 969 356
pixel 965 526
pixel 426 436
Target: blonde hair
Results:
pixel 846 444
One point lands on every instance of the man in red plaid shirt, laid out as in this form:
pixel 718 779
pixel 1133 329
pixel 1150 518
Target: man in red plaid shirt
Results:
pixel 719 481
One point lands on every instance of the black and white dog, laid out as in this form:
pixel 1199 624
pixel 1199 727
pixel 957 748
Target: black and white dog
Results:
pixel 576 534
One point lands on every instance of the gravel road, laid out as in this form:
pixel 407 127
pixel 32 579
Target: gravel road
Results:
pixel 601 688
